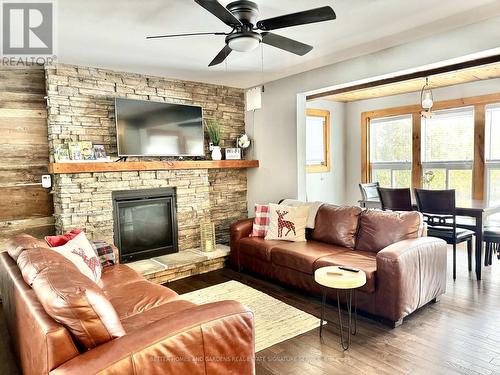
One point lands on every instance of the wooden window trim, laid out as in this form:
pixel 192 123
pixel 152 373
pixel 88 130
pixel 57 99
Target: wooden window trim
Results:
pixel 326 137
pixel 478 170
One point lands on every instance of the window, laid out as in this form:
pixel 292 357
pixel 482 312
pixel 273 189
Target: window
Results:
pixel 492 154
pixel 317 141
pixel 448 151
pixel 391 150
pixel 443 152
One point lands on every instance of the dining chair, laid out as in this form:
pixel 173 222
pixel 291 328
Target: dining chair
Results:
pixel 439 210
pixel 491 237
pixel 395 199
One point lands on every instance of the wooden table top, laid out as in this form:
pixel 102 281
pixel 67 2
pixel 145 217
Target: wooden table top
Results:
pixel 464 208
pixel 333 277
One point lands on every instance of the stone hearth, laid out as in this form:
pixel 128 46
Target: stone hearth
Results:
pixel 183 264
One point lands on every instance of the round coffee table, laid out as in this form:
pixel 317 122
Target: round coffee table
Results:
pixel 336 278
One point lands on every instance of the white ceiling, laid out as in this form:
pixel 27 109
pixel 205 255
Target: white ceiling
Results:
pixel 111 34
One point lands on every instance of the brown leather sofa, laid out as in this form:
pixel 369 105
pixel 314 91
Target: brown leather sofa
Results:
pixel 63 323
pixel 404 269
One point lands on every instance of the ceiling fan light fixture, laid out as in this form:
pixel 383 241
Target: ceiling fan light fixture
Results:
pixel 244 42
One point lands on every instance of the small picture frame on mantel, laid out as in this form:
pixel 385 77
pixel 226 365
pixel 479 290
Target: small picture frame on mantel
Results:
pixel 233 153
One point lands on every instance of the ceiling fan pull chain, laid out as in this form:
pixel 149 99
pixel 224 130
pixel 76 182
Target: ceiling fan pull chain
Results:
pixel 262 57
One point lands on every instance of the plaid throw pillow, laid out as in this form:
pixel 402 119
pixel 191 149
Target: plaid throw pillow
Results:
pixel 105 253
pixel 261 221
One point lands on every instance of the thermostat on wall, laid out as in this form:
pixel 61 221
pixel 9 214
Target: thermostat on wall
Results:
pixel 46 181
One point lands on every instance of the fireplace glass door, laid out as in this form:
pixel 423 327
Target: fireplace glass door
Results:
pixel 145 227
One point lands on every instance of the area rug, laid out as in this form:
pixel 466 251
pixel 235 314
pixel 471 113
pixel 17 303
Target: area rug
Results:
pixel 275 321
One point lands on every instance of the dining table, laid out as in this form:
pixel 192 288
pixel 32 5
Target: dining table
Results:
pixel 478 210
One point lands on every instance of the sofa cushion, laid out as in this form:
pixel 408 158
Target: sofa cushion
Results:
pixel 33 261
pixel 17 244
pixel 300 256
pixel 76 302
pixel 257 247
pixel 336 225
pixel 138 321
pixel 379 229
pixel 118 276
pixel 364 260
pixel 138 297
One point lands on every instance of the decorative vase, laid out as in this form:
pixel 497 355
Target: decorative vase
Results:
pixel 216 153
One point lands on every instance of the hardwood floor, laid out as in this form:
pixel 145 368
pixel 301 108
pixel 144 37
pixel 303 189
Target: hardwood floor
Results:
pixel 458 335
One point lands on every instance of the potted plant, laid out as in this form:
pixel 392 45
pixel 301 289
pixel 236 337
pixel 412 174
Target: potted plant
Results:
pixel 214 133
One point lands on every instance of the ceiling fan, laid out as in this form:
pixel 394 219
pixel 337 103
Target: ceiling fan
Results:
pixel 242 17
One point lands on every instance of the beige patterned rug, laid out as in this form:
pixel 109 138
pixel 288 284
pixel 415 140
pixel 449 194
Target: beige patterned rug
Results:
pixel 275 321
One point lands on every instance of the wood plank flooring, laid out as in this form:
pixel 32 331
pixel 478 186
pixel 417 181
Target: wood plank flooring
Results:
pixel 458 335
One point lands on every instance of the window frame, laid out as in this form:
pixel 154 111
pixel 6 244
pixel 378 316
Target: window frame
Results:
pixel 325 114
pixel 479 165
pixel 490 164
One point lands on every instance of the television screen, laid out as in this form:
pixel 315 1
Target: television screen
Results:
pixel 146 128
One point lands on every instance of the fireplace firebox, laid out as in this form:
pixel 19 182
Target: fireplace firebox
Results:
pixel 145 223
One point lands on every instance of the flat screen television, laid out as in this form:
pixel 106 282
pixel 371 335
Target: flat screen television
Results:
pixel 146 128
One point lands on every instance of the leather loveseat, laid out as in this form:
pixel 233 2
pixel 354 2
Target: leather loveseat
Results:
pixel 404 269
pixel 61 322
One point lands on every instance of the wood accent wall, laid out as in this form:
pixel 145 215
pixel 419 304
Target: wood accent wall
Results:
pixel 24 205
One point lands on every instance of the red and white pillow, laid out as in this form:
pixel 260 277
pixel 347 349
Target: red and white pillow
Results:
pixel 81 253
pixel 261 221
pixel 62 239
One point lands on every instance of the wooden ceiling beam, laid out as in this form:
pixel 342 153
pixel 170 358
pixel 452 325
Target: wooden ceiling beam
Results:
pixel 410 76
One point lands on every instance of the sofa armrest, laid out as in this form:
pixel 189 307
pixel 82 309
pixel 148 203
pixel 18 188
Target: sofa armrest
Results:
pixel 215 338
pixel 238 230
pixel 410 273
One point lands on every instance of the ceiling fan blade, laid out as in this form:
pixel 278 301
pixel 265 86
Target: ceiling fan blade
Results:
pixel 221 56
pixel 295 19
pixel 177 35
pixel 286 44
pixel 219 11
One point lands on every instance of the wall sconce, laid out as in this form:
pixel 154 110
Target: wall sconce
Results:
pixel 254 98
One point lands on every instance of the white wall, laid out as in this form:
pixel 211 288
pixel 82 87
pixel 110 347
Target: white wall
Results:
pixel 353 112
pixel 330 186
pixel 277 124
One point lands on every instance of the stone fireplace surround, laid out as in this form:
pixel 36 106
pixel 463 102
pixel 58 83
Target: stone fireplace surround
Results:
pixel 81 108
pixel 84 200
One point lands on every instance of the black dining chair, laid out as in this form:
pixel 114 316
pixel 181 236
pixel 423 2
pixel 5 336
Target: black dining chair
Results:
pixel 395 199
pixel 491 237
pixel 439 210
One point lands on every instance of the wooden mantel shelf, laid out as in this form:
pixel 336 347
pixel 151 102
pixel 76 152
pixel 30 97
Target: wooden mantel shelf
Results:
pixel 89 167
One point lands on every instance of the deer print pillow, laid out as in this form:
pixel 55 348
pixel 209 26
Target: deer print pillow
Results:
pixel 287 223
pixel 81 253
